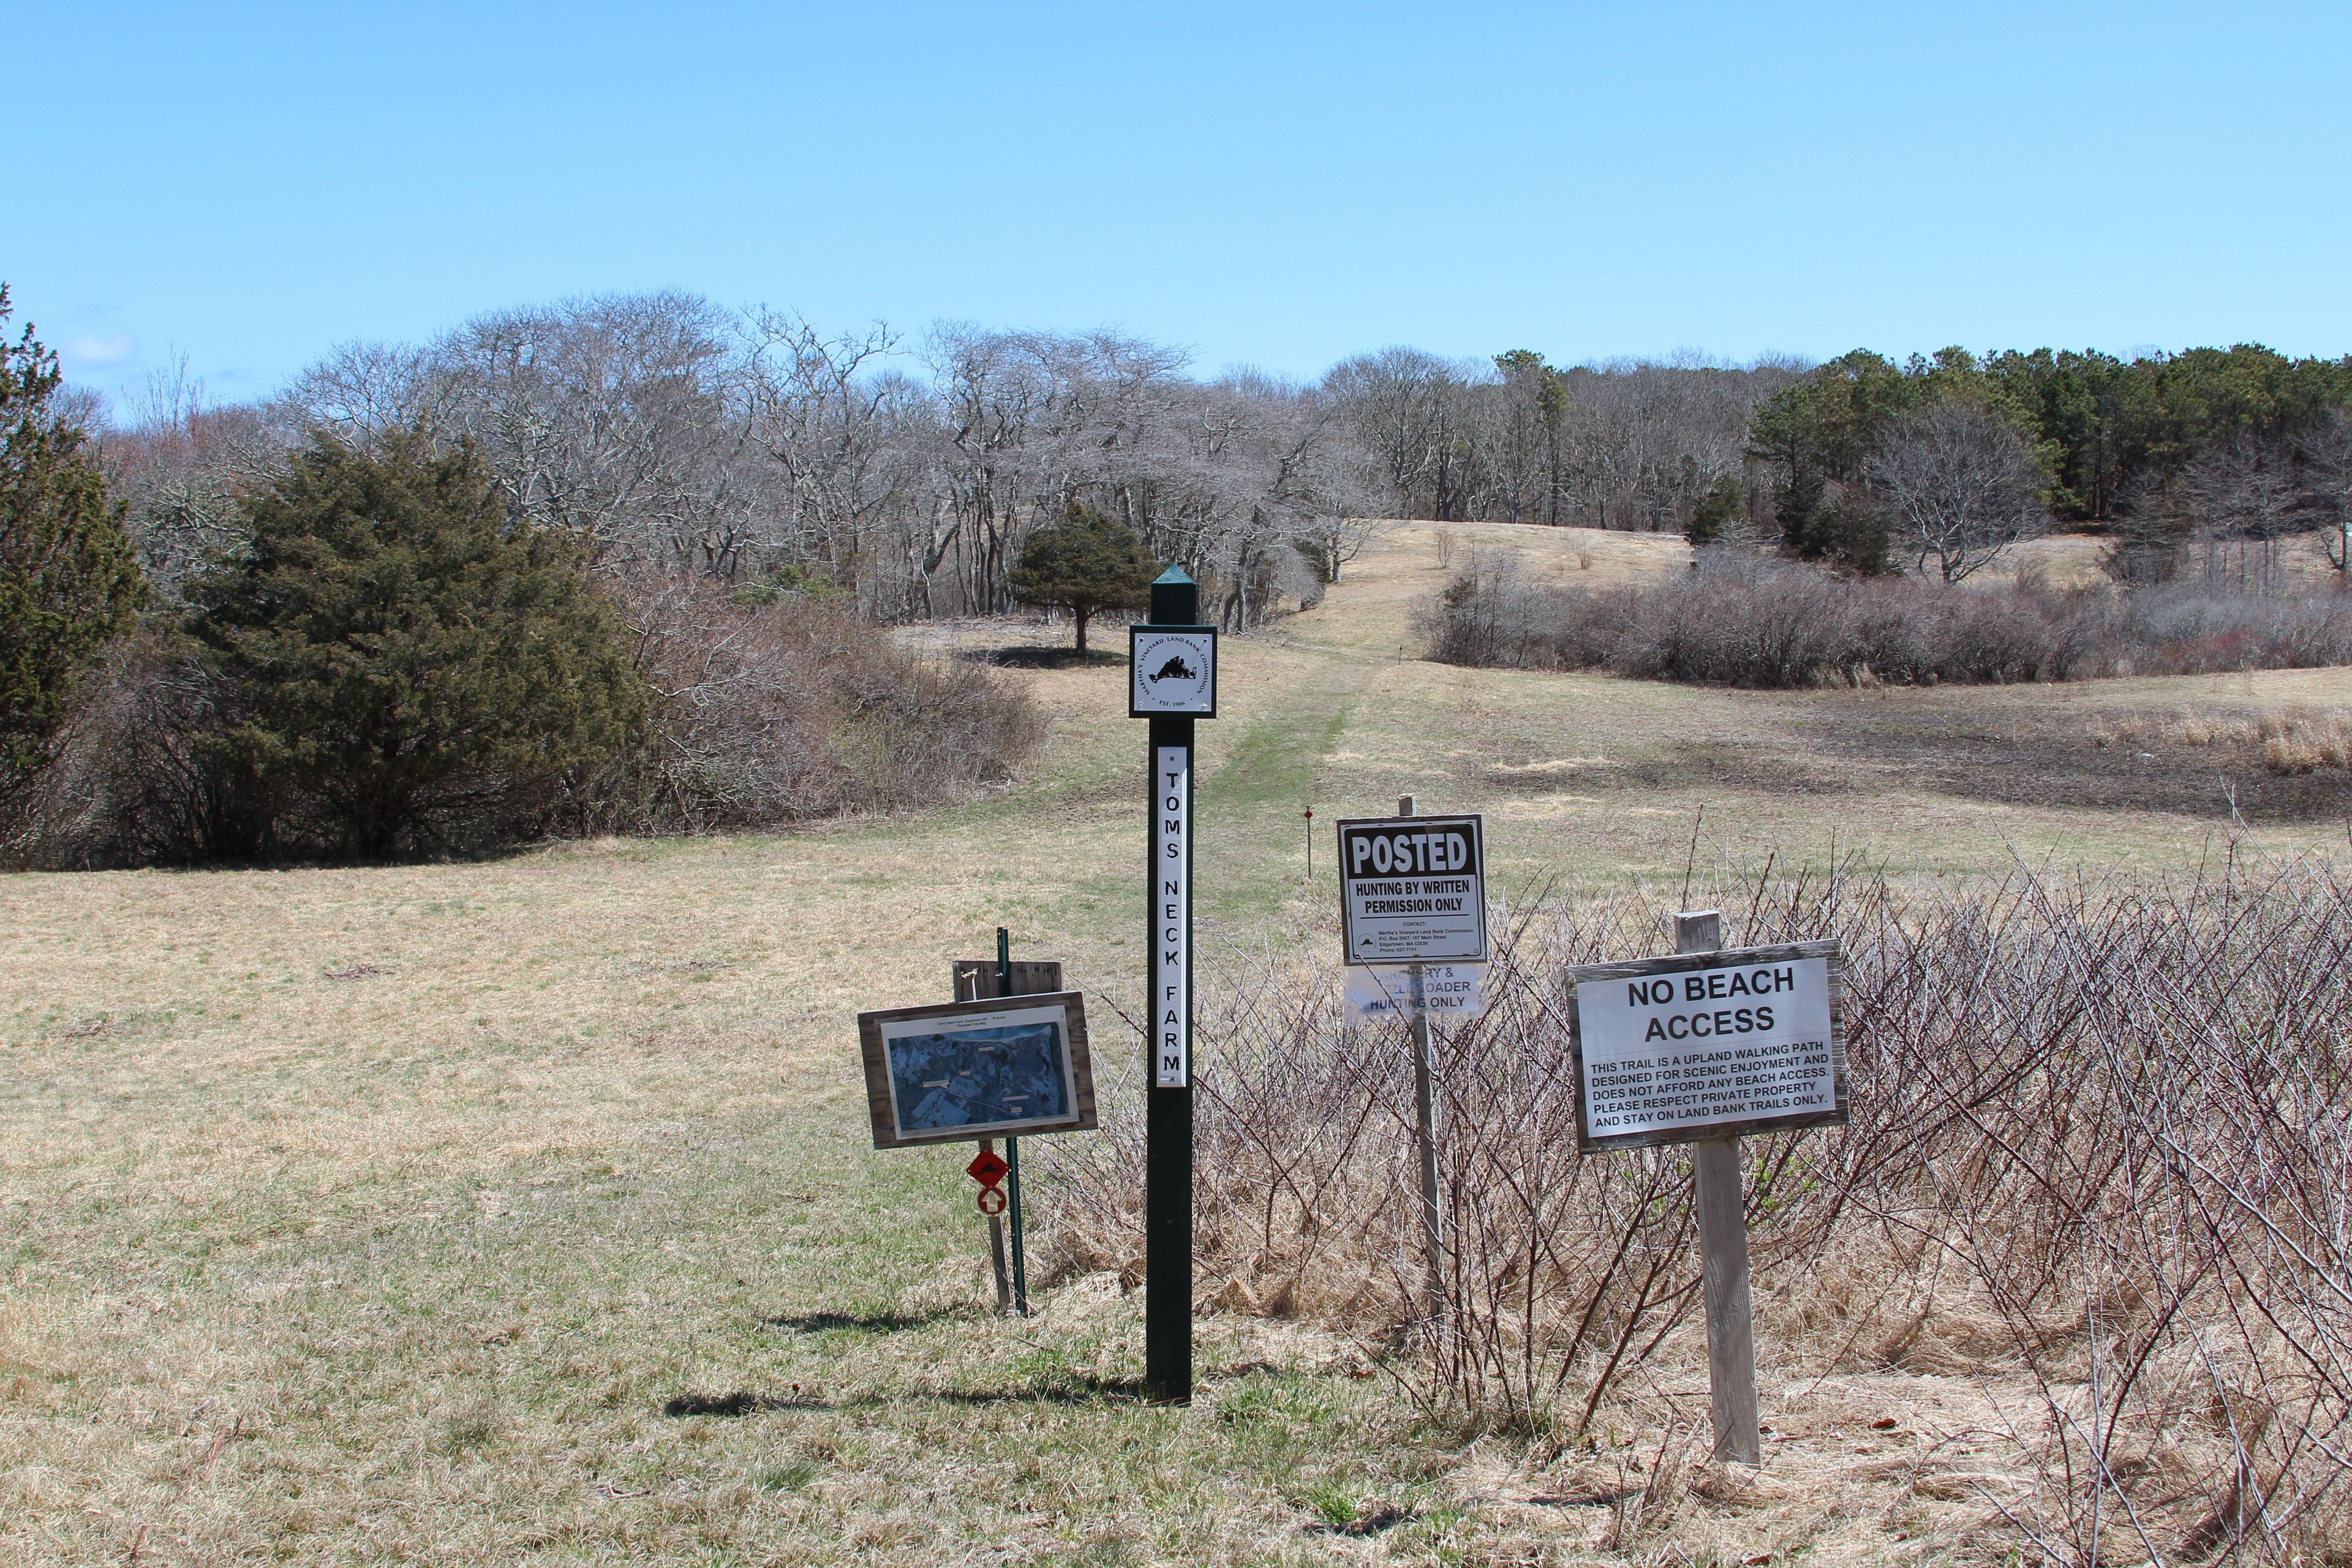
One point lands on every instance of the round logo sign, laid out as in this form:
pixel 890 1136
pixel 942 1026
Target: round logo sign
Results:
pixel 1173 671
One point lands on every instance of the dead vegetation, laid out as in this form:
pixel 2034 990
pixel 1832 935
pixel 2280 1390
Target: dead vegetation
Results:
pixel 1739 619
pixel 2300 739
pixel 2102 1138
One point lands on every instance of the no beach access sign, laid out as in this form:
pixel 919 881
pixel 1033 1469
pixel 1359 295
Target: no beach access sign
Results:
pixel 1708 1045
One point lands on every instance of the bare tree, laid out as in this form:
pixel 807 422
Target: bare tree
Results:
pixel 1962 486
pixel 2326 451
pixel 1419 415
pixel 181 465
pixel 2242 492
pixel 844 434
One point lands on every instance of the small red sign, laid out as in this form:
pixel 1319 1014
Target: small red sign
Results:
pixel 992 1200
pixel 987 1168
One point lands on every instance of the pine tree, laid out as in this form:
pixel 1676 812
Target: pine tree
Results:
pixel 68 579
pixel 1721 513
pixel 402 662
pixel 1084 563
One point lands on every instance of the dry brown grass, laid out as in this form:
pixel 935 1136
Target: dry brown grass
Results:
pixel 380 1215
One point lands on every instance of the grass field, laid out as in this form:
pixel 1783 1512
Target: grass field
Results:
pixel 521 1211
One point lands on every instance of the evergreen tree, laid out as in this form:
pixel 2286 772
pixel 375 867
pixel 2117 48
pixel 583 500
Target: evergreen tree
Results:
pixel 68 579
pixel 1800 503
pixel 401 661
pixel 1084 563
pixel 1719 513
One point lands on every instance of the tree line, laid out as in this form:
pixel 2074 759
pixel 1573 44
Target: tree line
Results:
pixel 671 435
pixel 1947 458
pixel 736 489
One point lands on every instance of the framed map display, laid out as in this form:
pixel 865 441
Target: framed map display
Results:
pixel 965 1070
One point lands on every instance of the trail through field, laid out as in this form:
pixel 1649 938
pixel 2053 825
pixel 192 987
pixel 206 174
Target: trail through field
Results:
pixel 479 1211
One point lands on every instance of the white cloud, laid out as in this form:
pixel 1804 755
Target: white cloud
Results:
pixel 89 354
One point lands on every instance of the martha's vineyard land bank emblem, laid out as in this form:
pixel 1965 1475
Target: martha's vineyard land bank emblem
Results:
pixel 1173 669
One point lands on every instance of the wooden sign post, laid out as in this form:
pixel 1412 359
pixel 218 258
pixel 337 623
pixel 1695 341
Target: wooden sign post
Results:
pixel 1413 888
pixel 1723 1259
pixel 1702 1048
pixel 975 979
pixel 1171 681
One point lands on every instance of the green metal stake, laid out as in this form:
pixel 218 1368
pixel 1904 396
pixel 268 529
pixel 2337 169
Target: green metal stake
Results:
pixel 1012 1147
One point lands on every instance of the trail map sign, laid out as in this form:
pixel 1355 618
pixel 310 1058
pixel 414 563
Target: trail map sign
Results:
pixel 1413 889
pixel 1171 669
pixel 1708 1046
pixel 963 1071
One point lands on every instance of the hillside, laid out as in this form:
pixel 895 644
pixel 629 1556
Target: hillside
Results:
pixel 388 1214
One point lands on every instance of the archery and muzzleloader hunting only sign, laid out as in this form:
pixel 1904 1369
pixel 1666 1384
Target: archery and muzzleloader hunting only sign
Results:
pixel 1708 1045
pixel 1413 889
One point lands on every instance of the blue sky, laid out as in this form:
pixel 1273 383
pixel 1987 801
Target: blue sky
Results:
pixel 1270 183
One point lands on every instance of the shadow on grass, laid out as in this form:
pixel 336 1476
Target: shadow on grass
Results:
pixel 742 1404
pixel 1028 658
pixel 1070 1388
pixel 1376 1518
pixel 864 1322
pixel 1056 1388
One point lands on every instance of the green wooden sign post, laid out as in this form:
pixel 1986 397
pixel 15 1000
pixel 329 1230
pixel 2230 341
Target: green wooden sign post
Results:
pixel 1171 681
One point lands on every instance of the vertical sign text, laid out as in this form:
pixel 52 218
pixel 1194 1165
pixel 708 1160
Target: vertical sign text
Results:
pixel 1171 915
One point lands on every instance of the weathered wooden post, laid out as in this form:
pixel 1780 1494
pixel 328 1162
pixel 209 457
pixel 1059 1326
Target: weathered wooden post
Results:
pixel 1703 1049
pixel 1171 681
pixel 1723 1257
pixel 1425 1131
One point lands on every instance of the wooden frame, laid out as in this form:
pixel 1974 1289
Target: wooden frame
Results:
pixel 881 1102
pixel 1685 964
pixel 975 978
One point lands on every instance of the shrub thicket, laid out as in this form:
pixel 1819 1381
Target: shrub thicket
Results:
pixel 1737 620
pixel 2101 1137
pixel 777 712
pixel 760 715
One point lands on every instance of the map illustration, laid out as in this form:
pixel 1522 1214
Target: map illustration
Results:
pixel 979 1076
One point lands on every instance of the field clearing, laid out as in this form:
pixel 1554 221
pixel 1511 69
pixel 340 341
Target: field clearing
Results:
pixel 520 1211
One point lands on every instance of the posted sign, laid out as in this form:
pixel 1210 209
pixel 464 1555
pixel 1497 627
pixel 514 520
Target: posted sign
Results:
pixel 1446 993
pixel 1709 1044
pixel 1413 889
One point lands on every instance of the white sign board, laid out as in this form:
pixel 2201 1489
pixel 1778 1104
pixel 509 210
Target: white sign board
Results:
pixel 1171 669
pixel 1171 901
pixel 1413 889
pixel 1714 1044
pixel 1449 992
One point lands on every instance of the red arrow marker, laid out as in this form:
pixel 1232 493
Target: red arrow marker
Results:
pixel 990 1200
